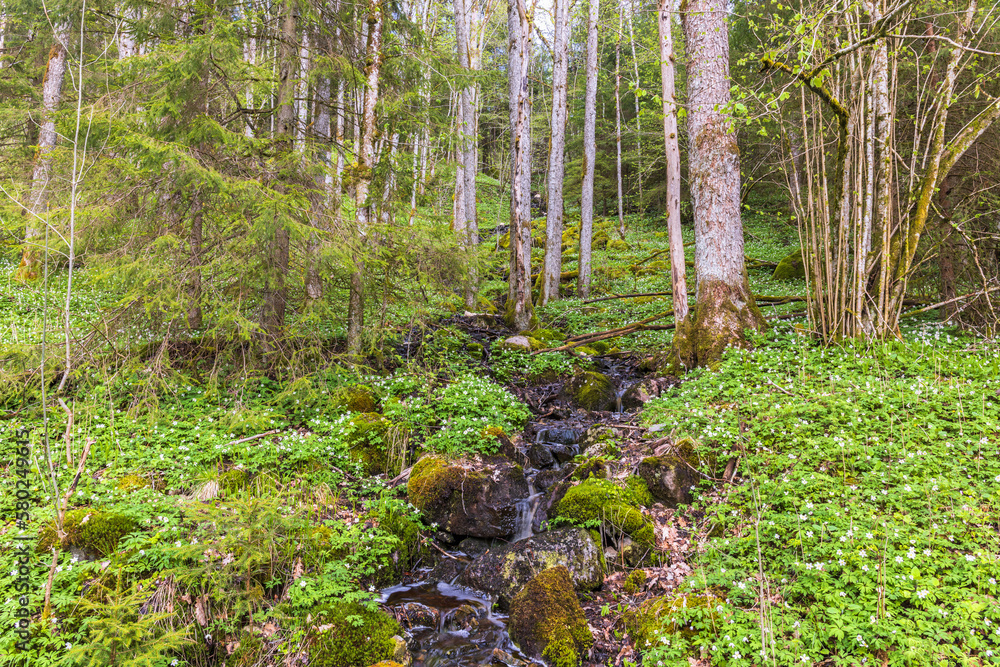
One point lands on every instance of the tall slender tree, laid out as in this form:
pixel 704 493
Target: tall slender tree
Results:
pixel 678 268
pixel 519 311
pixel 557 156
pixel 724 304
pixel 589 152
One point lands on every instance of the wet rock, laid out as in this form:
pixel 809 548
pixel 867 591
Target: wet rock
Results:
pixel 592 391
pixel 447 569
pixel 501 657
pixel 600 440
pixel 415 614
pixel 558 436
pixel 473 547
pixel 547 478
pixel 539 456
pixel 446 538
pixel 504 569
pixel 616 507
pixel 472 497
pixel 401 654
pixel 670 477
pixel 639 394
pixel 547 621
pixel 563 453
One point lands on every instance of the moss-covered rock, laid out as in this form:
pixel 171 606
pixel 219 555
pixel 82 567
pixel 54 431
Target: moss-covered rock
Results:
pixel 233 481
pixel 637 491
pixel 516 343
pixel 596 467
pixel 592 391
pixel 130 483
pixel 617 244
pixel 338 641
pixel 92 531
pixel 634 582
pixel 474 497
pixel 791 267
pixel 408 545
pixel 367 441
pixel 355 398
pixel 660 617
pixel 603 501
pixel 505 568
pixel 670 477
pixel 546 620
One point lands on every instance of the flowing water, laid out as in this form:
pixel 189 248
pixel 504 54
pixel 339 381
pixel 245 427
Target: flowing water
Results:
pixel 452 627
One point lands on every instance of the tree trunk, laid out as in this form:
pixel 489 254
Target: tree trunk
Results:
pixel 638 120
pixel 366 156
pixel 519 311
pixel 557 154
pixel 194 318
pixel 618 122
pixel 41 177
pixel 275 300
pixel 589 153
pixel 678 268
pixel 724 305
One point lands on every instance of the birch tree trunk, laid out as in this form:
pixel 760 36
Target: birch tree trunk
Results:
pixel 519 311
pixel 41 176
pixel 275 293
pixel 724 305
pixel 678 277
pixel 365 163
pixel 618 121
pixel 638 120
pixel 589 153
pixel 557 165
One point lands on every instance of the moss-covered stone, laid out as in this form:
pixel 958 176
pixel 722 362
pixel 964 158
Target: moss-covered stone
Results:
pixel 634 582
pixel 597 468
pixel 617 244
pixel 670 477
pixel 367 441
pixel 604 501
pixel 660 617
pixel 546 620
pixel 339 642
pixel 408 546
pixel 355 398
pixel 505 568
pixel 791 267
pixel 476 351
pixel 91 530
pixel 130 483
pixel 592 391
pixel 473 497
pixel 637 491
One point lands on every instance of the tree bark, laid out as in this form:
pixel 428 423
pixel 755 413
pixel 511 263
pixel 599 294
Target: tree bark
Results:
pixel 366 156
pixel 519 311
pixel 557 166
pixel 41 177
pixel 724 305
pixel 465 197
pixel 194 314
pixel 678 276
pixel 618 122
pixel 589 153
pixel 276 295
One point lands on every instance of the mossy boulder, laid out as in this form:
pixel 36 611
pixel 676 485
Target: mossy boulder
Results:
pixel 547 621
pixel 592 391
pixel 474 497
pixel 617 244
pixel 671 477
pixel 596 467
pixel 339 641
pixel 93 532
pixel 604 501
pixel 130 483
pixel 367 441
pixel 660 617
pixel 355 398
pixel 505 568
pixel 634 582
pixel 791 267
pixel 516 343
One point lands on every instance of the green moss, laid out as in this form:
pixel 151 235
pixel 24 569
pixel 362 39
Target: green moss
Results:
pixel 791 267
pixel 367 441
pixel 475 350
pixel 617 244
pixel 352 636
pixel 597 468
pixel 637 491
pixel 634 582
pixel 407 534
pixel 592 391
pixel 549 335
pixel 602 500
pixel 89 529
pixel 233 480
pixel 356 398
pixel 431 483
pixel 130 483
pixel 547 620
pixel 659 616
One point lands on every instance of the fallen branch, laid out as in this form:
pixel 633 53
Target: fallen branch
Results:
pixel 935 306
pixel 253 437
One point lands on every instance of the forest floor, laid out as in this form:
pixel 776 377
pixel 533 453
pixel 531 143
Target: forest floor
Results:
pixel 848 511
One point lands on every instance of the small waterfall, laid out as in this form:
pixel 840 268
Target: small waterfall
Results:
pixel 526 513
pixel 619 393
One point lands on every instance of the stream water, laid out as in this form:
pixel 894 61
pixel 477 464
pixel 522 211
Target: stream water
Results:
pixel 450 626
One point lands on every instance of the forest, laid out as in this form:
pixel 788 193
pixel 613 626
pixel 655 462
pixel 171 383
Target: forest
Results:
pixel 426 333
